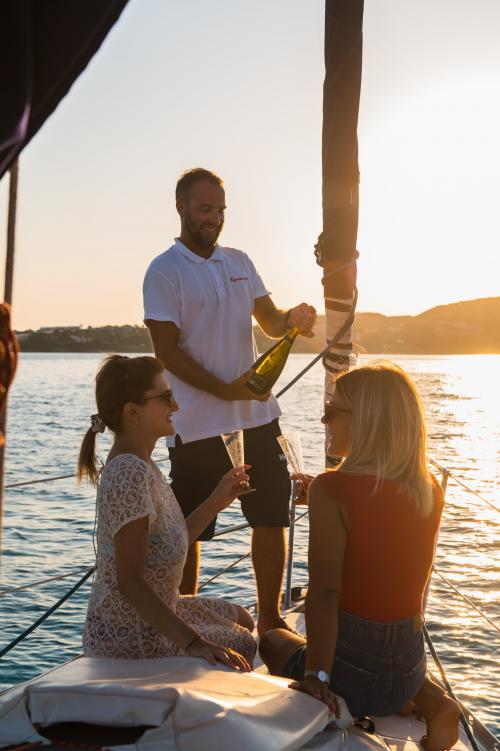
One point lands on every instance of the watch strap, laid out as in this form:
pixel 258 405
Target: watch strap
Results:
pixel 321 675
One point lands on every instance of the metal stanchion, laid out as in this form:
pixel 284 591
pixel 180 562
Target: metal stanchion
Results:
pixel 291 531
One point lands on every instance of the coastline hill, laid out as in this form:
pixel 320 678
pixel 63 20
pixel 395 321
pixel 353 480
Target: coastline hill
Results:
pixel 471 327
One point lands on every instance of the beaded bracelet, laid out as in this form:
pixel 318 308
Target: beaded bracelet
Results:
pixel 195 639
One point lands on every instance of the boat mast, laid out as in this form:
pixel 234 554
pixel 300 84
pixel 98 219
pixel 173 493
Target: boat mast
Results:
pixel 336 247
pixel 8 343
pixel 11 233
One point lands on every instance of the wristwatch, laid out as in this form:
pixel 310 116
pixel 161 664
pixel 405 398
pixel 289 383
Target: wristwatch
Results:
pixel 321 675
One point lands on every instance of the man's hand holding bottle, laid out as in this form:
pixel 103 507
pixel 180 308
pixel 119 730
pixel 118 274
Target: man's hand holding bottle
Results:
pixel 303 316
pixel 258 382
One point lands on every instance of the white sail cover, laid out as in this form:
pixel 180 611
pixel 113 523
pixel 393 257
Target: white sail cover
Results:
pixel 190 705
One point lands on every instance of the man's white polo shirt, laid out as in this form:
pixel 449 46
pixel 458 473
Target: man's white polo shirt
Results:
pixel 211 301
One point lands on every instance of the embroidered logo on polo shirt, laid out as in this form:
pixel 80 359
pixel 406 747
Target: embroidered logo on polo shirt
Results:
pixel 239 278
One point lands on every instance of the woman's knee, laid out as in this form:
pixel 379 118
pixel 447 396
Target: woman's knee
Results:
pixel 276 647
pixel 268 645
pixel 244 619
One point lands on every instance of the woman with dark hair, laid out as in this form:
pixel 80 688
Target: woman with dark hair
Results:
pixel 135 610
pixel 373 528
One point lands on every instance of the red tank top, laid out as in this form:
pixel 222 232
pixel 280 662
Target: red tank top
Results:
pixel 389 547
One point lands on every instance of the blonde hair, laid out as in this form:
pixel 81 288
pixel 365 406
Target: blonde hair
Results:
pixel 387 433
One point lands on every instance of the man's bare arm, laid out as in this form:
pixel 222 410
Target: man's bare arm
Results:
pixel 270 318
pixel 165 337
pixel 275 322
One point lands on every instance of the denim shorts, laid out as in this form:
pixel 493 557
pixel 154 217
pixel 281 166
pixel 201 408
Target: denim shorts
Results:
pixel 378 667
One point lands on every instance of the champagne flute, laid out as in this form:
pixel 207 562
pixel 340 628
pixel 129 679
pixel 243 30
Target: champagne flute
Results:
pixel 235 448
pixel 292 449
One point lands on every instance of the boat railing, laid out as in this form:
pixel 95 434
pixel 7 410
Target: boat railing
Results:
pixel 446 475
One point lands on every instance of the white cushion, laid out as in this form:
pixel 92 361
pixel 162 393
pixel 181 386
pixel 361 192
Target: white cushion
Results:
pixel 190 704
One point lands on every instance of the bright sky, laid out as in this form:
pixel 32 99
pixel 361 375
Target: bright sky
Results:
pixel 237 87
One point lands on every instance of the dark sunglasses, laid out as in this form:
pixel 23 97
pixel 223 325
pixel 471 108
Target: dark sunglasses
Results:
pixel 331 410
pixel 166 396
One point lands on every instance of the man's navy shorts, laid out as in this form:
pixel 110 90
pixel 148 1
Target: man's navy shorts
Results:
pixel 197 467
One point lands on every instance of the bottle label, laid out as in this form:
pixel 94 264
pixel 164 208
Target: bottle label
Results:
pixel 258 384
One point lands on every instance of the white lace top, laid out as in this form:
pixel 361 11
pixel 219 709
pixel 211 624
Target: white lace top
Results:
pixel 130 488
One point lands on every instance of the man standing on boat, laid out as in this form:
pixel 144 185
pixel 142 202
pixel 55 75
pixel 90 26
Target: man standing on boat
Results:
pixel 199 299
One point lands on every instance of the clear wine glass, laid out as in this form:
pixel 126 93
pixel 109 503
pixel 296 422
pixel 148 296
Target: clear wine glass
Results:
pixel 235 448
pixel 292 449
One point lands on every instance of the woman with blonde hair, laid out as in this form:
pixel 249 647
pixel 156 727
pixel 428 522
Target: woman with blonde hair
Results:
pixel 374 522
pixel 135 610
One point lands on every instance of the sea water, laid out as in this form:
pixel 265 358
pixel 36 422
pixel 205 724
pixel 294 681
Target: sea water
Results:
pixel 48 526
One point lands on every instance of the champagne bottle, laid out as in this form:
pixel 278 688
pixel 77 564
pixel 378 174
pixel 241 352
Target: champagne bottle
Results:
pixel 267 369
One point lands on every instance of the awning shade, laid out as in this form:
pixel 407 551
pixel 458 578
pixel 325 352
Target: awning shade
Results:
pixel 44 46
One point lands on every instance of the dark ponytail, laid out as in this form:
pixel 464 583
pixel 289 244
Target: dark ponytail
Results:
pixel 119 380
pixel 87 458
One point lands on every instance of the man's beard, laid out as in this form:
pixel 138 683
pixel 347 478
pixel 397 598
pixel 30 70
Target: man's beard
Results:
pixel 200 239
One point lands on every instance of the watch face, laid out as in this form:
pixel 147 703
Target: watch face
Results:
pixel 319 674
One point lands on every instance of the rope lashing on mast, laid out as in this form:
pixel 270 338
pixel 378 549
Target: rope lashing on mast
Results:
pixel 341 297
pixel 343 331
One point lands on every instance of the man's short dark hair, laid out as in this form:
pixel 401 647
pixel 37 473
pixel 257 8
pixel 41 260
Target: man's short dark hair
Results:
pixel 192 176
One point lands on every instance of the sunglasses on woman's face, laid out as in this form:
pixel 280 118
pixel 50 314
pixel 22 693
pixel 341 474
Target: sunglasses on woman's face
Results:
pixel 166 396
pixel 332 410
